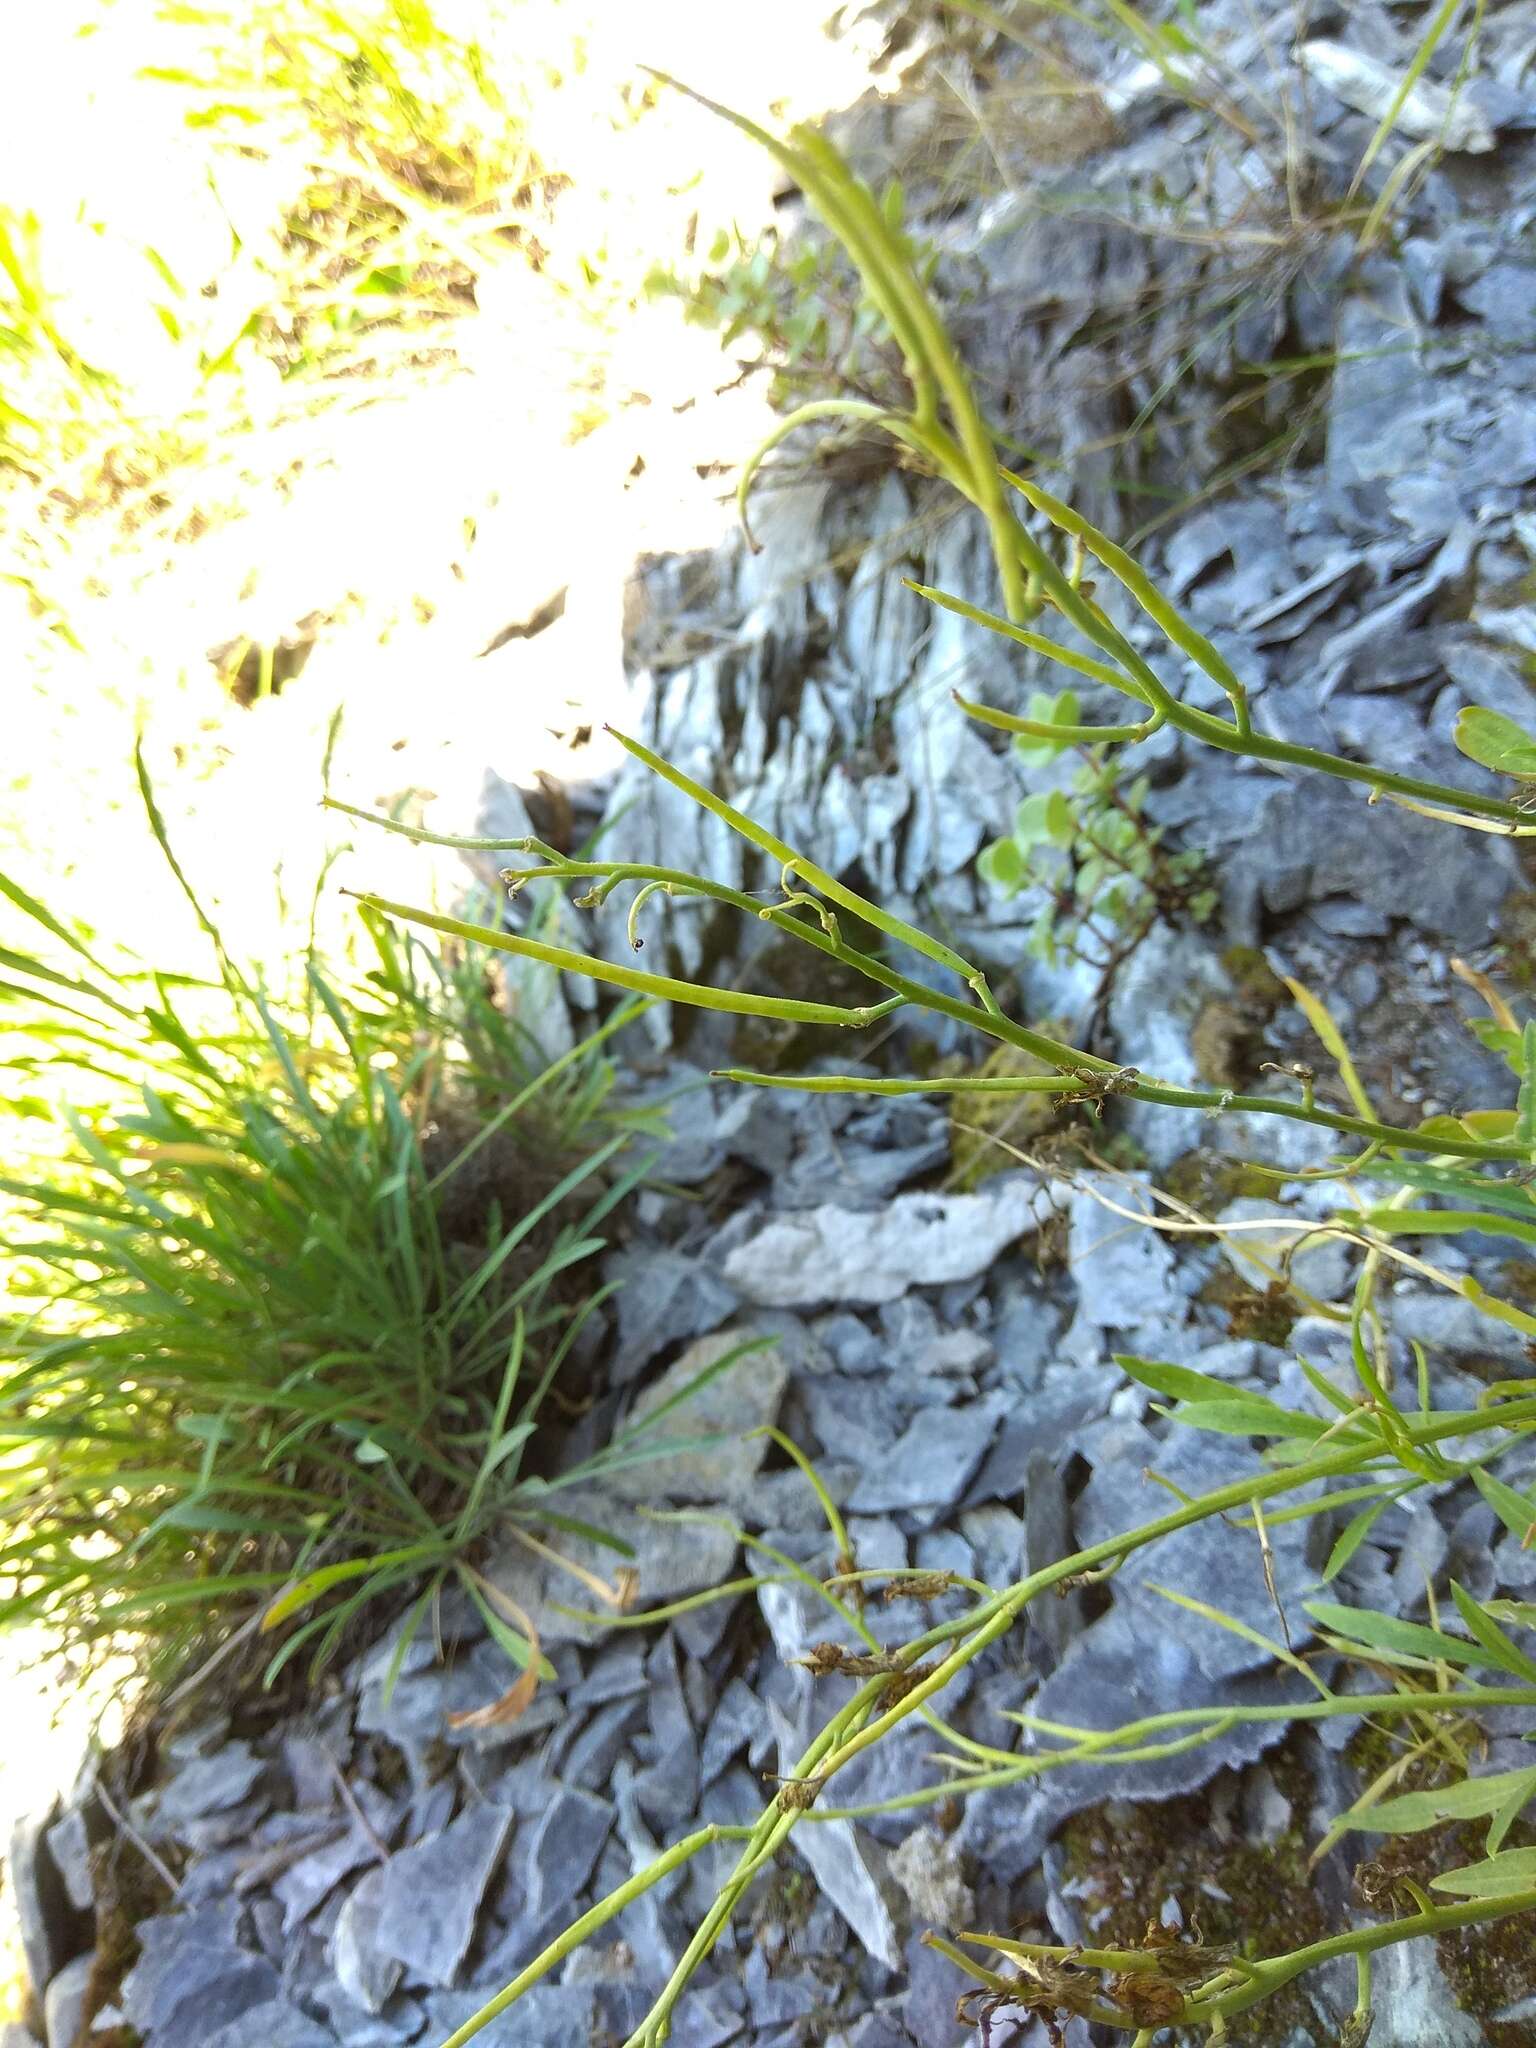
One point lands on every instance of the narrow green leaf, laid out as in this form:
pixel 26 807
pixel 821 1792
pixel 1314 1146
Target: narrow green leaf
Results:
pixel 1515 1510
pixel 1505 1876
pixel 1392 1638
pixel 508 1640
pixel 1351 1536
pixel 1493 1639
pixel 314 1583
pixel 1177 1382
pixel 1467 1799
pixel 1525 1109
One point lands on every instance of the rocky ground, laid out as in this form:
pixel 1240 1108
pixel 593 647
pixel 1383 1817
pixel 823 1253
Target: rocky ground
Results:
pixel 362 1872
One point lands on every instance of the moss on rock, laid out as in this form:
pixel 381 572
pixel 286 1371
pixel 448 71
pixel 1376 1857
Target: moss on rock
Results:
pixel 1124 1860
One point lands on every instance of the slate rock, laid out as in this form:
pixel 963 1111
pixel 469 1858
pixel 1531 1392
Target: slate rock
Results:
pixel 430 1895
pixel 663 1297
pixel 365 1972
pixel 312 1764
pixel 1046 1424
pixel 1124 1271
pixel 933 1985
pixel 69 1844
pixel 1449 1323
pixel 932 1463
pixel 1155 1000
pixel 278 2025
pixel 1318 1265
pixel 742 1399
pixel 1318 839
pixel 1003 1831
pixel 885 2030
pixel 617 1672
pixel 1117 1672
pixel 1024 1337
pixel 307 1882
pixel 737 1719
pixel 64 2005
pixel 839 1255
pixel 704 2019
pixel 565 1844
pixel 1505 296
pixel 1409 1987
pixel 1228 1574
pixel 592 1755
pixel 779 1997
pixel 401 2019
pixel 192 1977
pixel 672 1559
pixel 39 1901
pixel 209 1785
pixel 546 2016
pixel 844 1867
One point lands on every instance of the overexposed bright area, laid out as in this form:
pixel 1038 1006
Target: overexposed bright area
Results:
pixel 257 475
pixel 331 369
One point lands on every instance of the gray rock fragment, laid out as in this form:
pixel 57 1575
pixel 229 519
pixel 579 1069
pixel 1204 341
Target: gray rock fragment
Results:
pixel 742 1399
pixel 1228 1575
pixel 844 1866
pixel 429 1898
pixel 1409 1986
pixel 591 1757
pixel 566 1842
pixel 737 1718
pixel 1124 1271
pixel 672 1560
pixel 39 1901
pixel 1372 88
pixel 663 1298
pixel 1117 1673
pixel 278 2025
pixel 192 1977
pixel 64 2006
pixel 933 1983
pixel 69 1844
pixel 546 2016
pixel 365 1972
pixel 1318 1265
pixel 209 1785
pixel 932 1463
pixel 303 1886
pixel 401 2020
pixel 831 1255
pixel 705 2020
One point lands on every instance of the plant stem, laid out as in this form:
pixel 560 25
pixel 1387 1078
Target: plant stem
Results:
pixel 589 1923
pixel 1268 1977
pixel 852 1730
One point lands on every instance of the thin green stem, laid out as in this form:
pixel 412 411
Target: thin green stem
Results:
pixel 1121 1744
pixel 1234 738
pixel 801 864
pixel 589 1923
pixel 1268 1977
pixel 859 1723
pixel 738 1001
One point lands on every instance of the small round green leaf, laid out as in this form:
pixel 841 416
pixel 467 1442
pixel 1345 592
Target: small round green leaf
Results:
pixel 1002 866
pixel 1031 821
